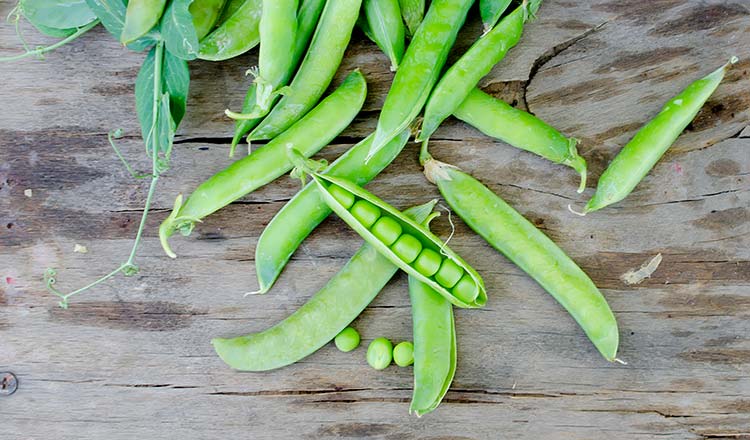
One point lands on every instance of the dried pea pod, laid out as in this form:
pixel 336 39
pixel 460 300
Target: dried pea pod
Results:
pixel 406 243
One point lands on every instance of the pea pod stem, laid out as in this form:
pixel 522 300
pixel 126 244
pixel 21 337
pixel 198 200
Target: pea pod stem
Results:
pixel 323 317
pixel 641 154
pixel 521 242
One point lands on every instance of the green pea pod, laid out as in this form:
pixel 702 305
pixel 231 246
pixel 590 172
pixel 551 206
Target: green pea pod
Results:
pixel 278 31
pixel 317 70
pixel 420 68
pixel 413 13
pixel 520 241
pixel 319 320
pixel 520 129
pixel 477 62
pixel 307 19
pixel 205 14
pixel 57 14
pixel 311 133
pixel 407 244
pixel 235 36
pixel 637 158
pixel 490 11
pixel 434 347
pixel 387 28
pixel 230 7
pixel 140 17
pixel 306 210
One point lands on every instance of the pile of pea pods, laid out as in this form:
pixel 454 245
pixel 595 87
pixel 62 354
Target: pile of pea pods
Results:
pixel 301 46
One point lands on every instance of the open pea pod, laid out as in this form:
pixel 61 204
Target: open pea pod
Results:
pixel 405 242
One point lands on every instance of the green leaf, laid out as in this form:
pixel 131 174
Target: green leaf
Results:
pixel 178 31
pixel 54 32
pixel 58 14
pixel 177 83
pixel 175 80
pixel 112 15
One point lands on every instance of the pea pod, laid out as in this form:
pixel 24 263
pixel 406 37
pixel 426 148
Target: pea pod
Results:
pixel 309 135
pixel 490 11
pixel 306 210
pixel 307 19
pixel 420 68
pixel 413 13
pixel 637 158
pixel 140 17
pixel 387 27
pixel 407 244
pixel 278 30
pixel 235 36
pixel 520 129
pixel 230 7
pixel 477 62
pixel 323 317
pixel 520 241
pixel 434 347
pixel 317 69
pixel 205 14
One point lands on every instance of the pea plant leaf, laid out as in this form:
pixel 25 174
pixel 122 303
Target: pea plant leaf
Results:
pixel 112 15
pixel 158 129
pixel 57 14
pixel 178 31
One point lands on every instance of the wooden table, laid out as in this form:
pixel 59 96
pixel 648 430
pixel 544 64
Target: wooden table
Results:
pixel 132 359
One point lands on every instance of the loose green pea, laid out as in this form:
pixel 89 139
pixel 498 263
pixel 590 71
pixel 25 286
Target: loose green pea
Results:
pixel 342 196
pixel 380 353
pixel 428 262
pixel 403 354
pixel 407 247
pixel 365 212
pixel 387 230
pixel 449 274
pixel 466 289
pixel 347 340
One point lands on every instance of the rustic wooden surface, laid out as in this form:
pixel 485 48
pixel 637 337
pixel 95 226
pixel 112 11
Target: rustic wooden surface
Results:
pixel 131 359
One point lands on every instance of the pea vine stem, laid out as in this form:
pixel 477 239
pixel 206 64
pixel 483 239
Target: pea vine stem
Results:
pixel 39 51
pixel 128 268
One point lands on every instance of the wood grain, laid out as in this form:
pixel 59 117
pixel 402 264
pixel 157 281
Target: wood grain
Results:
pixel 132 359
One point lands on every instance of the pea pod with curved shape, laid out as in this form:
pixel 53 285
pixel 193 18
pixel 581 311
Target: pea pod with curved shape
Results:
pixel 306 210
pixel 407 244
pixel 205 15
pixel 311 133
pixel 521 242
pixel 387 28
pixel 235 36
pixel 520 129
pixel 434 347
pixel 637 158
pixel 323 317
pixel 420 68
pixel 307 19
pixel 464 74
pixel 140 17
pixel 317 69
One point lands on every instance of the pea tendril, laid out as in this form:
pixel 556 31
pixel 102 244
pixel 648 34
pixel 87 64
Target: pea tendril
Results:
pixel 128 268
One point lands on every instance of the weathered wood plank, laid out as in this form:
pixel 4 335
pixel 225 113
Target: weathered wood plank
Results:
pixel 132 358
